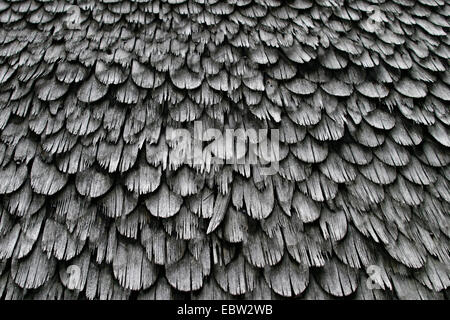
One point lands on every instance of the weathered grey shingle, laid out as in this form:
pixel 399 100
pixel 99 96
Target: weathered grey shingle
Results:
pixel 92 183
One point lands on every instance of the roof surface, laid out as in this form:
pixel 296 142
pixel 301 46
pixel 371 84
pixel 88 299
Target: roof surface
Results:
pixel 95 203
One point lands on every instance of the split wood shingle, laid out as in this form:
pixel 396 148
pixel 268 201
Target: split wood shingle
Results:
pixel 89 179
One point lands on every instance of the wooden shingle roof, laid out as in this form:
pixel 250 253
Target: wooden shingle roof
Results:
pixel 95 203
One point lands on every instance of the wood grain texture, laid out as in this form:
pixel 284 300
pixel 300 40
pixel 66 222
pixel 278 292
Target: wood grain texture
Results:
pixel 91 179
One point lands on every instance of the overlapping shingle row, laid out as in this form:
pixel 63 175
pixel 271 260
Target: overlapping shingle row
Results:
pixel 95 203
